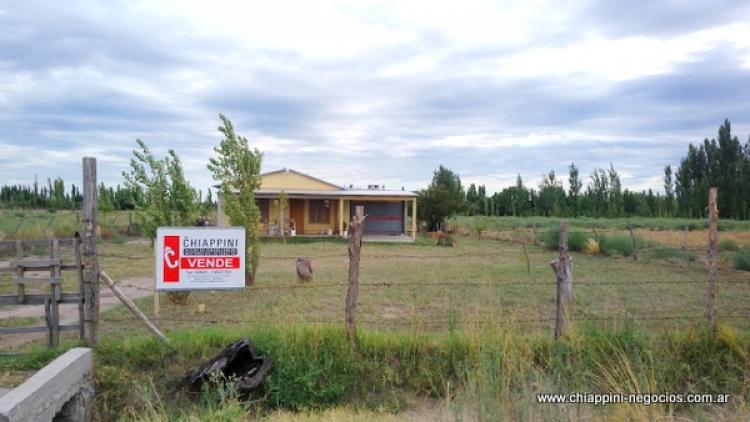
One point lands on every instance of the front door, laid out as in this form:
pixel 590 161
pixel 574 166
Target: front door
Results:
pixel 297 213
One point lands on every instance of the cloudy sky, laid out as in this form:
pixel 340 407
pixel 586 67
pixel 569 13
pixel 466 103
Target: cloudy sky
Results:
pixel 372 92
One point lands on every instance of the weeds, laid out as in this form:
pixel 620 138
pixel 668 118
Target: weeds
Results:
pixel 741 260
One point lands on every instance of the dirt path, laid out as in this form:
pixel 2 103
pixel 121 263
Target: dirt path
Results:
pixel 68 312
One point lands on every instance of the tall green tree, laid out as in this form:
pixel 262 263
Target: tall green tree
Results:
pixel 443 198
pixel 237 169
pixel 575 184
pixel 168 198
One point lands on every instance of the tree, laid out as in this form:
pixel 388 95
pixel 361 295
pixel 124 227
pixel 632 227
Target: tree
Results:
pixel 551 197
pixel 442 199
pixel 168 198
pixel 574 190
pixel 616 207
pixel 668 191
pixel 237 169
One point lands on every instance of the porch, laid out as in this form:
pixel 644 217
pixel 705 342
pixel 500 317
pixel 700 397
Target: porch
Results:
pixel 388 219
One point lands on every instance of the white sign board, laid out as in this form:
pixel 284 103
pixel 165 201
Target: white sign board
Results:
pixel 200 258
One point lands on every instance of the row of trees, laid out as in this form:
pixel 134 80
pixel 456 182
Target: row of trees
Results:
pixel 55 196
pixel 724 163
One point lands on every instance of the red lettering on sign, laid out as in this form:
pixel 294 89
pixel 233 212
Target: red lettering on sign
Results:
pixel 171 259
pixel 210 262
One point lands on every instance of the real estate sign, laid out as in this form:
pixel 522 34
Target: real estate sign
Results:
pixel 200 258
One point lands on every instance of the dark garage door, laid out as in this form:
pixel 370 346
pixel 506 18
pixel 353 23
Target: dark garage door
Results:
pixel 383 217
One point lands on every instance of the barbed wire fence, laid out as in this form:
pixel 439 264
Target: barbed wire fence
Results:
pixel 521 236
pixel 451 317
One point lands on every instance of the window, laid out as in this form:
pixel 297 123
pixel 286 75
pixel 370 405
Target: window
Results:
pixel 319 211
pixel 263 206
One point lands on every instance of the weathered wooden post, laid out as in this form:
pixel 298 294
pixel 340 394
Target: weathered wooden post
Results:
pixel 20 272
pixel 632 239
pixel 90 261
pixel 355 247
pixel 55 274
pixel 563 267
pixel 713 268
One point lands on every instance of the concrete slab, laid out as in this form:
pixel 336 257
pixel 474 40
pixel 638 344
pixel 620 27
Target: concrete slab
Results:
pixel 46 393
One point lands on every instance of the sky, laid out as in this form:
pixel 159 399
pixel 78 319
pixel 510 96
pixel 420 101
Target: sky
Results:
pixel 362 92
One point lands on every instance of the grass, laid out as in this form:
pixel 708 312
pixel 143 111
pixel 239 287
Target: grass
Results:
pixel 466 327
pixel 728 245
pixel 487 374
pixel 467 223
pixel 741 260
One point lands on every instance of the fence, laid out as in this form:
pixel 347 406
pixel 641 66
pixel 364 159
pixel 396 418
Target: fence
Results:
pixel 33 225
pixel 440 303
pixel 26 270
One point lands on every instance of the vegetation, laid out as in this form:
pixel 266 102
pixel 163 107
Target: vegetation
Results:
pixel 487 374
pixel 676 225
pixel 442 199
pixel 741 260
pixel 56 197
pixel 723 163
pixel 237 169
pixel 169 200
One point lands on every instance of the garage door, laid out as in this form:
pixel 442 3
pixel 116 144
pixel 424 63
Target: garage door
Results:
pixel 383 217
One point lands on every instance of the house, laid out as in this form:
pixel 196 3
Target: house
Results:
pixel 320 208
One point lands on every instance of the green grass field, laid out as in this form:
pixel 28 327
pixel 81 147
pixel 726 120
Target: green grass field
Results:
pixel 467 328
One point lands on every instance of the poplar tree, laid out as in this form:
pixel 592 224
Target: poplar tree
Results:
pixel 237 169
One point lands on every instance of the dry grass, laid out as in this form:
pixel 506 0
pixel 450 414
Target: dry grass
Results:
pixel 694 239
pixel 420 287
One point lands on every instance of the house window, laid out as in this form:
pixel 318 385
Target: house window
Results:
pixel 319 211
pixel 263 206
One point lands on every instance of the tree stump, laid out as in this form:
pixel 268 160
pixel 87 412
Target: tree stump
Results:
pixel 304 270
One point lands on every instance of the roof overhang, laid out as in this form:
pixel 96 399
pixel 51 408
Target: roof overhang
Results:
pixel 374 194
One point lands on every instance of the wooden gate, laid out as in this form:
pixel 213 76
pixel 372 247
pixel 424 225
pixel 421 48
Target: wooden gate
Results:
pixel 26 269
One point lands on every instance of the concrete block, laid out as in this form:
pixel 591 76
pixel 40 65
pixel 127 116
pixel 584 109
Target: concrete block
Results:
pixel 43 396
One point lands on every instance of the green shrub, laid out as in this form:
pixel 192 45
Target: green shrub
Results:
pixel 616 244
pixel 670 254
pixel 741 260
pixel 577 240
pixel 728 245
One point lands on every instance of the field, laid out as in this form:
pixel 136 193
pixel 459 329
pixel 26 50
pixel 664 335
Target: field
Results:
pixel 445 332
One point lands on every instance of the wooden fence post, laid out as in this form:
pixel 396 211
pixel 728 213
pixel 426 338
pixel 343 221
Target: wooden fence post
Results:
pixel 20 272
pixel 55 272
pixel 632 239
pixel 563 267
pixel 355 246
pixel 713 240
pixel 90 261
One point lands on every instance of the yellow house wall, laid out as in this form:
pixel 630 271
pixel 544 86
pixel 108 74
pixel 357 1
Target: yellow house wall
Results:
pixel 293 181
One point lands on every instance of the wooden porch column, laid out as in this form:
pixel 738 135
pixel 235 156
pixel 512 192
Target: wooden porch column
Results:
pixel 414 219
pixel 341 217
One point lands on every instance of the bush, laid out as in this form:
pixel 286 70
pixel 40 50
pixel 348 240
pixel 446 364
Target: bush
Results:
pixel 741 260
pixel 670 254
pixel 616 244
pixel 592 247
pixel 728 245
pixel 577 240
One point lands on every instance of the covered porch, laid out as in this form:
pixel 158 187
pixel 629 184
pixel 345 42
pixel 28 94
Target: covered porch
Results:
pixel 389 218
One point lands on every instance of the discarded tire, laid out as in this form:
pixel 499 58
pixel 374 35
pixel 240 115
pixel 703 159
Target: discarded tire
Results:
pixel 239 363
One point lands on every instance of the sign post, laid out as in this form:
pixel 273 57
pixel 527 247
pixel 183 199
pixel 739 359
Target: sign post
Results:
pixel 200 258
